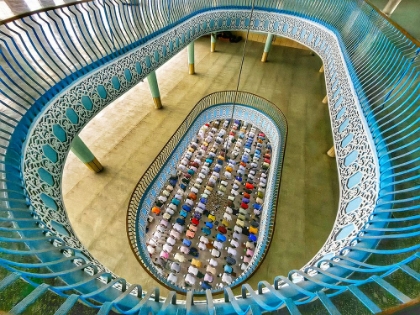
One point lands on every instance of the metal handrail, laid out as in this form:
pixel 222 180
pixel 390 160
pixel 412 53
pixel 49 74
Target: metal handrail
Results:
pixel 42 10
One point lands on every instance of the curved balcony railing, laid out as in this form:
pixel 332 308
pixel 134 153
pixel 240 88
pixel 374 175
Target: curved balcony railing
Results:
pixel 218 105
pixel 45 60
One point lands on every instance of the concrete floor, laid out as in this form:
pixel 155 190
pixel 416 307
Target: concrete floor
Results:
pixel 129 133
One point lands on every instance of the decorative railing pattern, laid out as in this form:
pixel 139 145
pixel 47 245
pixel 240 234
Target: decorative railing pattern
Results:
pixel 49 61
pixel 248 107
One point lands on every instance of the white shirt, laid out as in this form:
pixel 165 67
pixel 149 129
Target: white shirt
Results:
pixel 217 245
pixel 227 216
pixel 231 251
pixel 202 246
pixel 234 243
pixel 167 248
pixel 213 262
pixel 190 279
pixel 171 241
pixel 193 270
pixel 227 278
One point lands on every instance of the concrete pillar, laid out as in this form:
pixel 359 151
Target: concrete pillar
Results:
pixel 322 69
pixel 213 42
pixel 391 6
pixel 79 148
pixel 154 89
pixel 267 47
pixel 331 152
pixel 191 69
pixel 325 100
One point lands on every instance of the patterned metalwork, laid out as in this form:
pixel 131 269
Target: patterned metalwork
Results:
pixel 64 61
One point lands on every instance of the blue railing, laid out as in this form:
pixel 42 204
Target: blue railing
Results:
pixel 373 89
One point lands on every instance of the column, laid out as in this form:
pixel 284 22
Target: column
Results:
pixel 391 6
pixel 331 152
pixel 154 89
pixel 191 69
pixel 267 47
pixel 213 42
pixel 79 148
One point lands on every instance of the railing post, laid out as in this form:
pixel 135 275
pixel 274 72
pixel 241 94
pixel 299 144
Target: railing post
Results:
pixel 154 89
pixel 213 42
pixel 331 152
pixel 80 149
pixel 391 6
pixel 267 47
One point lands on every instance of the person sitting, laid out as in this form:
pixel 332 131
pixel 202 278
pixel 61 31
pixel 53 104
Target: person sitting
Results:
pixel 196 263
pixel 253 230
pixel 232 251
pixel 213 262
pixel 217 244
pixel 236 236
pixel 206 231
pixel 230 260
pixel 220 237
pixel 227 269
pixel 222 229
pixel 190 234
pixel 234 243
pixel 202 246
pixel 156 210
pixel 184 249
pixel 172 278
pixel 194 252
pixel 227 278
pixel 227 216
pixel 189 279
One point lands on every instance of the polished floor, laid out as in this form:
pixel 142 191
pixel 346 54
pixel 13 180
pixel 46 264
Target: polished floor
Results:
pixel 129 133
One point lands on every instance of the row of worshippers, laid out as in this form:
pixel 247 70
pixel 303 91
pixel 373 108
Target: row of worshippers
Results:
pixel 215 177
pixel 215 249
pixel 246 195
pixel 186 208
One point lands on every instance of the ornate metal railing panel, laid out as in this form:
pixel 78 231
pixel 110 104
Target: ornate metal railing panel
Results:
pixel 48 63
